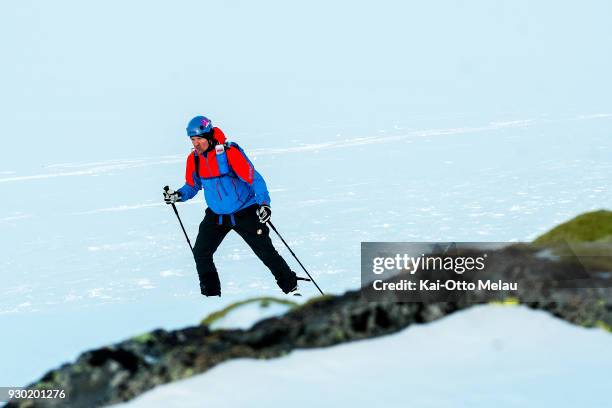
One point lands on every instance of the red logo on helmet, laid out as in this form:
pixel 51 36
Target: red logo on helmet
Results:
pixel 205 122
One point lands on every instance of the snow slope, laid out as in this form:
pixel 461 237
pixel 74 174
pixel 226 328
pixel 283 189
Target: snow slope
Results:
pixel 112 258
pixel 481 357
pixel 392 121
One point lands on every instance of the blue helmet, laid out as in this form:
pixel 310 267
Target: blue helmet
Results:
pixel 199 126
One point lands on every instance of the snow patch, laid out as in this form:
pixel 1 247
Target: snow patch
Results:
pixel 71 297
pixel 109 247
pixel 98 293
pixel 512 123
pixel 145 284
pixel 169 273
pixel 15 218
pixel 595 116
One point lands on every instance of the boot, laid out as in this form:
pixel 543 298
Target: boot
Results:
pixel 295 291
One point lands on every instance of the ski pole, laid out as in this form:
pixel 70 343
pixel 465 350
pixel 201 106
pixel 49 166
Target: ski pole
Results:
pixel 166 188
pixel 296 258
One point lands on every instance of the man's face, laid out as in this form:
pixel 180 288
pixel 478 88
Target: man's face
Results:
pixel 200 144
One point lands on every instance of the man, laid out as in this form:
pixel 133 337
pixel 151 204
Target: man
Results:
pixel 237 200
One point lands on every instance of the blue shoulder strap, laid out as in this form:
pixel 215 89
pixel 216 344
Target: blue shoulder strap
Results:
pixel 196 161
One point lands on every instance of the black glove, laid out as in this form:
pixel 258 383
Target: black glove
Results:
pixel 171 196
pixel 264 212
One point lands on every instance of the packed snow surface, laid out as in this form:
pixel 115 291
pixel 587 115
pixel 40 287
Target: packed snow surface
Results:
pixel 379 121
pixel 110 256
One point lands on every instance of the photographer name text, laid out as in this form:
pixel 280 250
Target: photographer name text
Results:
pixel 450 285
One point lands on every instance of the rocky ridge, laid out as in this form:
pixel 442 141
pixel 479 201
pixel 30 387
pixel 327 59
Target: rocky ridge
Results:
pixel 122 371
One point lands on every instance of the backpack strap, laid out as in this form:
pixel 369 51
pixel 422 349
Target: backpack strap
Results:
pixel 196 158
pixel 196 161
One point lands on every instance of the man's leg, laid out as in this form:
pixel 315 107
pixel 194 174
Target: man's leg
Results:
pixel 209 237
pixel 257 235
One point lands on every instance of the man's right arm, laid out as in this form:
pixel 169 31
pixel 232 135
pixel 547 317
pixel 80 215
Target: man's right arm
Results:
pixel 192 181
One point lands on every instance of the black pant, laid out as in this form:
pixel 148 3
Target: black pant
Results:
pixel 256 235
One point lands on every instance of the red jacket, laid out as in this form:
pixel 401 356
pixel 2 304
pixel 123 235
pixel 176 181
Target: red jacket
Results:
pixel 229 180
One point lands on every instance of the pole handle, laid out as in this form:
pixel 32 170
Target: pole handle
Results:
pixel 166 188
